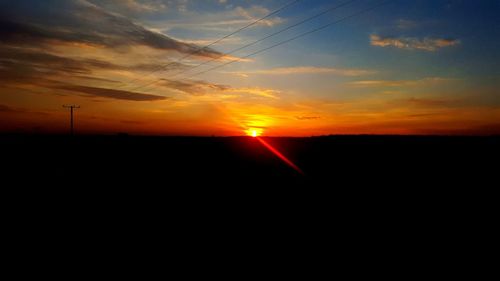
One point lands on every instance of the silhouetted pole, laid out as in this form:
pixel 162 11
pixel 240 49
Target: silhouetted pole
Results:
pixel 71 107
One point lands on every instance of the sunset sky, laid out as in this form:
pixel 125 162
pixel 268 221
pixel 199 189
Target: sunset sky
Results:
pixel 405 67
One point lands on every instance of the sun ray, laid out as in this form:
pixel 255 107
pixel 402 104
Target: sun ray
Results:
pixel 280 155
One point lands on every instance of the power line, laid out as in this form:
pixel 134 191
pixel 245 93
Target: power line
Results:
pixel 163 67
pixel 255 42
pixel 295 37
pixel 271 35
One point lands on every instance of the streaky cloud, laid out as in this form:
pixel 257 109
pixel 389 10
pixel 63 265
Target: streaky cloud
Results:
pixel 84 23
pixel 193 87
pixel 307 70
pixel 401 83
pixel 411 43
pixel 111 93
pixel 301 118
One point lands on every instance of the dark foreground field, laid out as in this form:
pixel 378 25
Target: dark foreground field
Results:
pixel 334 161
pixel 403 202
pixel 357 184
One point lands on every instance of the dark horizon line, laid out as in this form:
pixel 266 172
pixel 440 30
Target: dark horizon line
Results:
pixel 239 136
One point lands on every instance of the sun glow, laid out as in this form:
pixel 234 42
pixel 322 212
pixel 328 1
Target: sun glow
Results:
pixel 253 132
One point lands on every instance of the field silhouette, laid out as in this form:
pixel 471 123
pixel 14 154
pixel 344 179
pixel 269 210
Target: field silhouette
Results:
pixel 332 161
pixel 359 183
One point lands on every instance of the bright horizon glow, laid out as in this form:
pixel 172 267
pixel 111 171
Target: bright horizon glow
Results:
pixel 253 132
pixel 408 67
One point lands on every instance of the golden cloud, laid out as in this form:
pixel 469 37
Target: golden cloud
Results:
pixel 410 43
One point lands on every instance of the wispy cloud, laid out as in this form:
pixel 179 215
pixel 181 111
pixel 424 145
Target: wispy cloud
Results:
pixel 411 43
pixel 221 21
pixel 199 88
pixel 111 93
pixel 49 71
pixel 206 41
pixel 32 63
pixel 193 87
pixel 399 83
pixel 307 70
pixel 257 91
pixel 307 117
pixel 84 23
pixel 254 12
pixel 15 110
pixel 6 108
pixel 16 57
pixel 426 103
pixel 134 8
pixel 147 6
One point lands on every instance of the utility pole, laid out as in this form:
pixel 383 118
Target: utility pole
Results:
pixel 71 107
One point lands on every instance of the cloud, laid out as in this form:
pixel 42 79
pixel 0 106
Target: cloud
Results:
pixel 132 122
pixel 111 93
pixel 307 117
pixel 220 22
pixel 23 74
pixel 307 70
pixel 255 12
pixel 257 91
pixel 193 87
pixel 427 103
pixel 81 22
pixel 133 6
pixel 76 46
pixel 410 43
pixel 90 78
pixel 380 83
pixel 40 60
pixel 8 109
pixel 208 40
pixel 25 67
pixel 400 83
pixel 430 102
pixel 199 88
pixel 23 63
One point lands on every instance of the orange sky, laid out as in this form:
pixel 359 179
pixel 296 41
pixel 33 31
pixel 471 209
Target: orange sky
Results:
pixel 103 58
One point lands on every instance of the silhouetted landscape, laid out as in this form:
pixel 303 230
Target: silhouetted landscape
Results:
pixel 356 104
pixel 334 162
pixel 383 188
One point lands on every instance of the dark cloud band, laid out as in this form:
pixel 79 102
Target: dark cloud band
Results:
pixel 78 21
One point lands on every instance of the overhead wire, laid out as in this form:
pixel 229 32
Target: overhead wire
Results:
pixel 308 19
pixel 198 50
pixel 373 7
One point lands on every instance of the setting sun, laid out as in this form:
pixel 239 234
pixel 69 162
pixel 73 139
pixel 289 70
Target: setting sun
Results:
pixel 254 132
pixel 225 93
